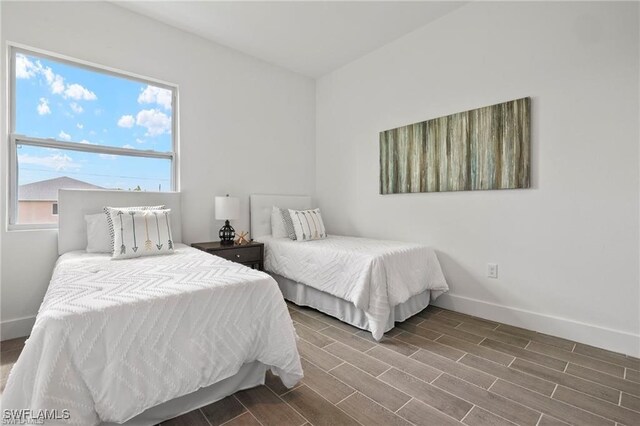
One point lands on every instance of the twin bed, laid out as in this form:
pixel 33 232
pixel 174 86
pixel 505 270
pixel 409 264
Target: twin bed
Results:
pixel 370 284
pixel 147 339
pixel 142 340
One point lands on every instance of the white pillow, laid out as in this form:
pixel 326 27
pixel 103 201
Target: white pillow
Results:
pixel 308 224
pixel 141 232
pixel 277 224
pixel 98 238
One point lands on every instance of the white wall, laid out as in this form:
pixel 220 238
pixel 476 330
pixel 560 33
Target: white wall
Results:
pixel 241 122
pixel 567 248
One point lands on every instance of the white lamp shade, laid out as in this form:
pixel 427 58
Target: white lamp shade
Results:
pixel 227 208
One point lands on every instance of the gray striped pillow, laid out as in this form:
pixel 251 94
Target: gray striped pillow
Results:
pixel 288 224
pixel 308 224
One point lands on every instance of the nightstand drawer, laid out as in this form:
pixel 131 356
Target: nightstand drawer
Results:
pixel 241 255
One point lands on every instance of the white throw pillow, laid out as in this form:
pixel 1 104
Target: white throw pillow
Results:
pixel 277 224
pixel 141 232
pixel 98 238
pixel 308 224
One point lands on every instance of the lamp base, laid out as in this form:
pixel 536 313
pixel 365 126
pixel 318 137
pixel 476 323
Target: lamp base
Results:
pixel 226 234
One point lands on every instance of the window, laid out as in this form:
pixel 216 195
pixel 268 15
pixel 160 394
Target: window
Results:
pixel 78 126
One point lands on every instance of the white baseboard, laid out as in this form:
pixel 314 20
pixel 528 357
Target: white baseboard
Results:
pixel 16 328
pixel 590 334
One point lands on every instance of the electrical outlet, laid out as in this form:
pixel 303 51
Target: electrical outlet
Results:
pixel 492 270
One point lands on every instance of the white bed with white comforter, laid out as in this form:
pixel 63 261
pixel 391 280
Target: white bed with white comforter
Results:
pixel 365 282
pixel 114 338
pixel 374 275
pixel 147 339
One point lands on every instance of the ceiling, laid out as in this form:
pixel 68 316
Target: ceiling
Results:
pixel 308 37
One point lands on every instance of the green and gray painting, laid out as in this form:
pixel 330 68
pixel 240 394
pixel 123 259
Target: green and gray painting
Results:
pixel 484 148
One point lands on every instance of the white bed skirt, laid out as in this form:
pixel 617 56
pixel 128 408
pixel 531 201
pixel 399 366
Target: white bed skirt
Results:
pixel 343 310
pixel 250 375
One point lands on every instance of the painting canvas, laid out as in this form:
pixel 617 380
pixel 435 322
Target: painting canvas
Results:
pixel 481 149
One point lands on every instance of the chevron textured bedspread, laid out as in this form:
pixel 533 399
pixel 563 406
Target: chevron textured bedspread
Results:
pixel 375 275
pixel 114 338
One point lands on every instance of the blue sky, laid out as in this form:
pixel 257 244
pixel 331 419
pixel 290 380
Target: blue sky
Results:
pixel 57 100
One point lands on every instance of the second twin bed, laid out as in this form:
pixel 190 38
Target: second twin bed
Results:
pixel 370 284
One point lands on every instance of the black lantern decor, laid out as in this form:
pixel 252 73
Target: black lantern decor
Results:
pixel 227 208
pixel 226 234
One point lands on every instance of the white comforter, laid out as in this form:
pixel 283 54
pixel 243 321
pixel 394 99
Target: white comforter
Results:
pixel 114 338
pixel 375 275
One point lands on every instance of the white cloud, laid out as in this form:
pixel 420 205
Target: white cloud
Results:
pixel 56 83
pixel 128 146
pixel 76 108
pixel 55 161
pixel 43 107
pixel 24 67
pixel 51 77
pixel 77 92
pixel 64 136
pixel 126 121
pixel 140 140
pixel 152 94
pixel 87 142
pixel 80 126
pixel 156 122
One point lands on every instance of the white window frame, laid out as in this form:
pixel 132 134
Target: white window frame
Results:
pixel 18 139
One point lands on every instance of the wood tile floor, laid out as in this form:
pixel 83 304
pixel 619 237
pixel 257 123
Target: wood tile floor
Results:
pixel 437 368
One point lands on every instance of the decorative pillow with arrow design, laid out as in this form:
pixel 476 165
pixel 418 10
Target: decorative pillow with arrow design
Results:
pixel 308 224
pixel 112 232
pixel 140 232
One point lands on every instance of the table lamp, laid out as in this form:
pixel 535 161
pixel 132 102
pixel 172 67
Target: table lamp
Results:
pixel 227 208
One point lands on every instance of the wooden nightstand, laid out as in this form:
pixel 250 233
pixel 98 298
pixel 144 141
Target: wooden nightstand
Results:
pixel 251 254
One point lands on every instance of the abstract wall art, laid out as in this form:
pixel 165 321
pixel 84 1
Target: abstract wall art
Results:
pixel 480 149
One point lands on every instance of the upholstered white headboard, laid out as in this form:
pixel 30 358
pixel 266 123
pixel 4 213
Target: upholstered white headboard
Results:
pixel 74 204
pixel 261 206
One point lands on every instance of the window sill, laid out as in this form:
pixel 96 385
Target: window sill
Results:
pixel 32 227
